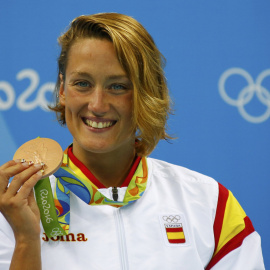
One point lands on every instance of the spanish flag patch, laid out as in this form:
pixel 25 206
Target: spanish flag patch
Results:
pixel 174 229
pixel 175 235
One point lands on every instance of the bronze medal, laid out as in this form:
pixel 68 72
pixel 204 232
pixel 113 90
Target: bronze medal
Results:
pixel 42 150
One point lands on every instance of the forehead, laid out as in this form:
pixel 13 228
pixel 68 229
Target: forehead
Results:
pixel 93 51
pixel 94 54
pixel 92 47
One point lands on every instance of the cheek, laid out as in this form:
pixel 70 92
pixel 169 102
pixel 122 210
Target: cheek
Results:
pixel 126 107
pixel 72 101
pixel 72 110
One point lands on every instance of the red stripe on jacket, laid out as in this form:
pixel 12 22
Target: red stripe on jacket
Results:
pixel 237 240
pixel 233 244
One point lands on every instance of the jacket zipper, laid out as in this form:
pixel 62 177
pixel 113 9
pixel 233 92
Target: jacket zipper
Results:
pixel 115 193
pixel 121 239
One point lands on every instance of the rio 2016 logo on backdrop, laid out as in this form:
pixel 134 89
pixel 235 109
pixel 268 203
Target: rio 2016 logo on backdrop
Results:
pixel 21 100
pixel 251 90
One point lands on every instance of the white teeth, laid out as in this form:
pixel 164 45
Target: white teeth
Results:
pixel 99 124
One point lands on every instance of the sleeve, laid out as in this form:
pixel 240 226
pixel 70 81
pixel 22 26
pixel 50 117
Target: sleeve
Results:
pixel 237 244
pixel 6 244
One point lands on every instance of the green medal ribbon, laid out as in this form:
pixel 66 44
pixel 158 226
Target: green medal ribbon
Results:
pixel 45 202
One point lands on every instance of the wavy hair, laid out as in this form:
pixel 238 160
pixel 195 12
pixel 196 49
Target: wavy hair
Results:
pixel 143 63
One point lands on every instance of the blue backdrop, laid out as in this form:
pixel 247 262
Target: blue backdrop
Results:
pixel 218 72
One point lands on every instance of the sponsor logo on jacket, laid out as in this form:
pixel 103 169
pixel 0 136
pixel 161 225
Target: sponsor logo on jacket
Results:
pixel 71 237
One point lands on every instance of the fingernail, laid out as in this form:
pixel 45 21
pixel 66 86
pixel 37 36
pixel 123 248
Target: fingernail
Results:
pixel 38 165
pixel 19 160
pixel 42 163
pixel 40 173
pixel 25 164
pixel 31 162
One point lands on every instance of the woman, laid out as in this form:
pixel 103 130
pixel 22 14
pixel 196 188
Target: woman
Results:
pixel 143 213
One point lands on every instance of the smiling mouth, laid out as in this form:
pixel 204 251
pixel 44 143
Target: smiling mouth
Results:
pixel 98 125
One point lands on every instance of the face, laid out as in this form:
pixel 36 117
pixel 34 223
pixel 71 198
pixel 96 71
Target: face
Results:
pixel 97 95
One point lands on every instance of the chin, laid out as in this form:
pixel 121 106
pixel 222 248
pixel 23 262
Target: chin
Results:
pixel 97 147
pixel 103 146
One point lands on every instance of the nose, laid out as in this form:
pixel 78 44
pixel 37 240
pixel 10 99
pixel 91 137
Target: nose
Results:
pixel 98 102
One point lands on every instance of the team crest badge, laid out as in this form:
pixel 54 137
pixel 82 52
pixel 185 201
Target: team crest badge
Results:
pixel 174 229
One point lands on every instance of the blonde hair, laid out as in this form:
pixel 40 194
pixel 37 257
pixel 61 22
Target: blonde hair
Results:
pixel 143 63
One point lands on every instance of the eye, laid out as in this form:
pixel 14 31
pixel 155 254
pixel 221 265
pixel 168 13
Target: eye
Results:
pixel 82 84
pixel 117 86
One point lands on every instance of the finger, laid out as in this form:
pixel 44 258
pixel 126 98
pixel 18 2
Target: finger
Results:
pixel 33 204
pixel 11 163
pixel 7 164
pixel 20 179
pixel 8 170
pixel 28 186
pixel 31 198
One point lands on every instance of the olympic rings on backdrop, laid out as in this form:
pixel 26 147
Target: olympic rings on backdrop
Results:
pixel 247 93
pixel 171 219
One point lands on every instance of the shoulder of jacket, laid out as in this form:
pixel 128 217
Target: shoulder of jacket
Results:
pixel 178 173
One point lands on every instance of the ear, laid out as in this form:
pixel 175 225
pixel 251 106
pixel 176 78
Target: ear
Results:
pixel 62 96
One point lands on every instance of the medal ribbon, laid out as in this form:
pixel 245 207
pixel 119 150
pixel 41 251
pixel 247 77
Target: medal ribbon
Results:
pixel 55 209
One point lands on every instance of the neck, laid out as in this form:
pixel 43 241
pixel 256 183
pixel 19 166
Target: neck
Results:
pixel 111 168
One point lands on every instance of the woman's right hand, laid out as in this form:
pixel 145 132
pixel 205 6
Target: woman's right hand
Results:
pixel 17 201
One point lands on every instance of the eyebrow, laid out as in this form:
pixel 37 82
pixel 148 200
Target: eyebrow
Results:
pixel 112 77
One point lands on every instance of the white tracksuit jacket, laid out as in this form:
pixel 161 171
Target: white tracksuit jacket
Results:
pixel 184 220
